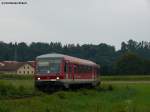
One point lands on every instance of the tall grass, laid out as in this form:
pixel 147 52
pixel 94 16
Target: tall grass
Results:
pixel 9 91
pixel 20 96
pixel 107 98
pixel 17 87
pixel 126 78
pixel 16 77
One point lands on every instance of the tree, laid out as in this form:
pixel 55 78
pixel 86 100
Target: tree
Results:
pixel 123 47
pixel 103 54
pixel 129 63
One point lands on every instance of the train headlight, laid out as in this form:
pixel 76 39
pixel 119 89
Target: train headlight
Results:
pixel 57 78
pixel 38 78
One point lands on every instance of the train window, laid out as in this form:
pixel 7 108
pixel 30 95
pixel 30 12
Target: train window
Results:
pixel 54 67
pixel 86 69
pixel 75 69
pixel 66 68
pixel 80 69
pixel 70 69
pixel 90 69
pixel 51 66
pixel 83 69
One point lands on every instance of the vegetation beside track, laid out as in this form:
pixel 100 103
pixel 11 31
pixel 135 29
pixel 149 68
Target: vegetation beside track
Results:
pixel 108 98
pixel 126 78
pixel 15 77
pixel 19 95
pixel 103 78
pixel 13 89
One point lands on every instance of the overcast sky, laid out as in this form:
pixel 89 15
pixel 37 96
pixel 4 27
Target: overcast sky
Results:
pixel 76 21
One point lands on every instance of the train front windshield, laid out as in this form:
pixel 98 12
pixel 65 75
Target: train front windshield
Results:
pixel 47 67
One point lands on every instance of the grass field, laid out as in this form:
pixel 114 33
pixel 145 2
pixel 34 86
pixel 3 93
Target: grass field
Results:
pixel 126 78
pixel 19 95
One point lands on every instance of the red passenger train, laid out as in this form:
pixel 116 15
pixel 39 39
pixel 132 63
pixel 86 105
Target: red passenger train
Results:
pixel 62 70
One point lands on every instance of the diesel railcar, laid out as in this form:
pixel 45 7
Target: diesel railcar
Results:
pixel 62 70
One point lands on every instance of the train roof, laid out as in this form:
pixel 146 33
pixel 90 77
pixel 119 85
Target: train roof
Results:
pixel 68 58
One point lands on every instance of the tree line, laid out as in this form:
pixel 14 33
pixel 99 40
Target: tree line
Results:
pixel 132 58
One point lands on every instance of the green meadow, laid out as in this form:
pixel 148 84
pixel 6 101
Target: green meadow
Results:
pixel 18 95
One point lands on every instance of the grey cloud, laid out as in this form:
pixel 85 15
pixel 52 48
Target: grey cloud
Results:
pixel 76 21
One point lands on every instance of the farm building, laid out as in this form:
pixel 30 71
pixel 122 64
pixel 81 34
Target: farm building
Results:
pixel 20 68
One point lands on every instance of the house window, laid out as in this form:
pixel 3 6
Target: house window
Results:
pixel 28 72
pixel 24 67
pixel 28 67
pixel 19 72
pixel 24 72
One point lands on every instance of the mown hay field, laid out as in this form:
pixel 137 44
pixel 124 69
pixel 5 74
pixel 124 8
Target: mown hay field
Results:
pixel 19 95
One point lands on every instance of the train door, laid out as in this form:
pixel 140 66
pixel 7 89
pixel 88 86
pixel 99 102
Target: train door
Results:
pixel 75 72
pixel 71 71
pixel 93 72
pixel 66 70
